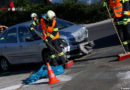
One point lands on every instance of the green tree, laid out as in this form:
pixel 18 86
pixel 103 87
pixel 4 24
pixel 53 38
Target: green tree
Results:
pixel 71 1
pixel 21 3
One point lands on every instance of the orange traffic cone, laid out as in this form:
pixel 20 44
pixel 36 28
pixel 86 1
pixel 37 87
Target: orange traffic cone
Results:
pixel 52 77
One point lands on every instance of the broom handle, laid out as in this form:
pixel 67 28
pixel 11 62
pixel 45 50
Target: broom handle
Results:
pixel 48 44
pixel 51 46
pixel 115 29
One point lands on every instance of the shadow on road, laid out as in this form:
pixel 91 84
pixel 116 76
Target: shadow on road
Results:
pixel 21 69
pixel 108 41
pixel 97 58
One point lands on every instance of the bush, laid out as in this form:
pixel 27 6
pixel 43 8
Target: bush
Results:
pixel 74 12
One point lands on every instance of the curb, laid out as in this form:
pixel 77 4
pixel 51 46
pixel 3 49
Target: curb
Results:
pixel 97 23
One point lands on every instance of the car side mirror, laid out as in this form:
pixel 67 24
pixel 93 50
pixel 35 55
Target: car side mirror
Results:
pixel 29 39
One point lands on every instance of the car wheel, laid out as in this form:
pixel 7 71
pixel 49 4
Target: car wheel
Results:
pixel 4 65
pixel 46 56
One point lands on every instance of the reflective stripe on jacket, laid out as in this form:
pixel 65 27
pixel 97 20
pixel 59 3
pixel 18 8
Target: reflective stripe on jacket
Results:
pixel 126 4
pixel 117 8
pixel 34 24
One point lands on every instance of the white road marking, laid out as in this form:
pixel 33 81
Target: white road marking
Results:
pixel 60 77
pixel 123 81
pixel 12 87
pixel 64 78
pixel 124 75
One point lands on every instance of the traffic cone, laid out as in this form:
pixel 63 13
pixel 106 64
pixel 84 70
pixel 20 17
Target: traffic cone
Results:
pixel 52 77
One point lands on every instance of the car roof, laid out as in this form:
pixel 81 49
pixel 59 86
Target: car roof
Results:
pixel 28 23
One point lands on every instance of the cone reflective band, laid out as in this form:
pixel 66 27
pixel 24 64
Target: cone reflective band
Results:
pixel 49 68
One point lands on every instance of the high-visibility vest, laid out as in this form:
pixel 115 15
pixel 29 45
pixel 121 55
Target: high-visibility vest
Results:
pixel 117 8
pixel 126 15
pixel 34 25
pixel 126 4
pixel 48 29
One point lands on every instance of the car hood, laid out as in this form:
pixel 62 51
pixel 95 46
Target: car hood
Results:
pixel 71 29
pixel 75 32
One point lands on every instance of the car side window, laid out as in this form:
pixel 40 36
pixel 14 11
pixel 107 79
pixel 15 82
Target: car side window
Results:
pixel 11 36
pixel 2 38
pixel 35 36
pixel 23 34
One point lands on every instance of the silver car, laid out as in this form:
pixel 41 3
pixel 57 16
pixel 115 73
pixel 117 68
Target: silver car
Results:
pixel 18 44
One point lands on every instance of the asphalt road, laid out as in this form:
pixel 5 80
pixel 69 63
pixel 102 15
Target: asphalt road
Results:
pixel 98 71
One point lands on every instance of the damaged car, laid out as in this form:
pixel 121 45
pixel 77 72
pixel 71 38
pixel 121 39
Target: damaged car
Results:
pixel 19 45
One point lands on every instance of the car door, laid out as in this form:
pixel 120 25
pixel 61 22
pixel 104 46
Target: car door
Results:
pixel 2 43
pixel 11 49
pixel 30 45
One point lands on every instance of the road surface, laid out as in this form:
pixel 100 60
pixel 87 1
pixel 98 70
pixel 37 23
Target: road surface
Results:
pixel 98 71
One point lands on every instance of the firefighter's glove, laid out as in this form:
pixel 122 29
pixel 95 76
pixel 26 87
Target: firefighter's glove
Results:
pixel 104 4
pixel 46 40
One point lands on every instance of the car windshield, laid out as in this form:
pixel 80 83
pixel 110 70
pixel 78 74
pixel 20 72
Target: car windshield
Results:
pixel 61 24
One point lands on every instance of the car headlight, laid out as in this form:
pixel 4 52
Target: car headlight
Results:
pixel 66 49
pixel 64 46
pixel 85 31
pixel 63 43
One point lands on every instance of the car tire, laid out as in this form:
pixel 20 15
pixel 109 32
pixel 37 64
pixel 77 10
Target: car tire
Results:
pixel 46 56
pixel 4 65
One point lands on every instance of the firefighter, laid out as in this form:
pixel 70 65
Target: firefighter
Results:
pixel 117 7
pixel 126 19
pixel 35 22
pixel 51 36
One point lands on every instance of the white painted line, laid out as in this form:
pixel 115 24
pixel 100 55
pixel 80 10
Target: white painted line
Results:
pixel 124 75
pixel 64 78
pixel 60 77
pixel 12 87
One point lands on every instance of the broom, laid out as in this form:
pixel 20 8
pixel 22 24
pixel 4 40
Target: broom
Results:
pixel 126 54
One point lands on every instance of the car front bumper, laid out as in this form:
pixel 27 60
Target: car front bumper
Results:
pixel 73 51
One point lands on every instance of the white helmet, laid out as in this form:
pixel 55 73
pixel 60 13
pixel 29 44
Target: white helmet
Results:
pixel 33 15
pixel 51 14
